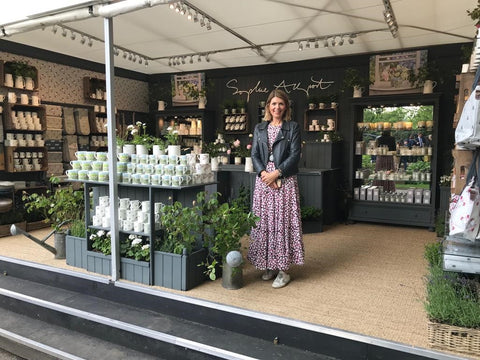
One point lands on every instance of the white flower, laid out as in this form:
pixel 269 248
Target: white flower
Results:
pixel 131 237
pixel 145 247
pixel 134 131
pixel 100 233
pixel 169 128
pixel 130 127
pixel 138 123
pixel 175 132
pixel 136 241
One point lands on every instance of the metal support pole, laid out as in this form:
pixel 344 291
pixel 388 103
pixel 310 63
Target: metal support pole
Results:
pixel 112 147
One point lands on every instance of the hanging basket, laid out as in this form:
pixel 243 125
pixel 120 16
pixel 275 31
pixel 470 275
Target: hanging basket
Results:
pixel 454 338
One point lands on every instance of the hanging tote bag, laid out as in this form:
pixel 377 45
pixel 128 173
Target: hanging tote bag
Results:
pixel 465 214
pixel 467 134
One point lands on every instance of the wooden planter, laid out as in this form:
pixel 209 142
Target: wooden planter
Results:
pixel 312 226
pixel 179 272
pixel 99 263
pixel 454 338
pixel 76 251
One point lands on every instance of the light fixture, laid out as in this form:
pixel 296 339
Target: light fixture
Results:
pixel 73 36
pixel 307 44
pixel 172 6
pixel 82 40
pixel 390 18
pixel 183 60
pixel 146 62
pixel 140 61
pixel 209 25
pixel 325 42
pixel 130 56
pixel 207 57
pixel 199 59
pixel 316 44
pixel 333 43
pixel 116 51
pixel 54 29
pixel 195 17
pixel 125 54
pixel 64 32
pixel 189 16
pixel 202 21
pixel 182 10
pixel 341 41
pixel 191 59
pixel 177 8
pixel 300 46
pixel 90 42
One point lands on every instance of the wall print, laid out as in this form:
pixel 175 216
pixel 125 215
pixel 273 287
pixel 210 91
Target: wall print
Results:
pixel 389 73
pixel 187 88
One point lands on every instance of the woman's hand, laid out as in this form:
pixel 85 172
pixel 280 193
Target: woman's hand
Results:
pixel 270 178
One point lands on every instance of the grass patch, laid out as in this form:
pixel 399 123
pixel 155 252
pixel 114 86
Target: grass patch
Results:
pixel 452 298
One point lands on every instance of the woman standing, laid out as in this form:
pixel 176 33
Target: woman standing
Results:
pixel 276 241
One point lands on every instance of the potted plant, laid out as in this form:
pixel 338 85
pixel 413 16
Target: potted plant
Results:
pixel 229 223
pixel 142 140
pixel 312 101
pixel 227 106
pixel 353 79
pixel 76 244
pixel 58 206
pixel 426 75
pixel 241 106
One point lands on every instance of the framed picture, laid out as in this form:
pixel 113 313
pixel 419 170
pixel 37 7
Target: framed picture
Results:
pixel 389 73
pixel 186 89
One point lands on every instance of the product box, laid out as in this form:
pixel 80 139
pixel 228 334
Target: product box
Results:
pixel 462 161
pixel 363 192
pixel 409 199
pixel 376 193
pixel 370 193
pixel 356 193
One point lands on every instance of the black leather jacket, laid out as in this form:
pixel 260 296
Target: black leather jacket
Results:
pixel 286 148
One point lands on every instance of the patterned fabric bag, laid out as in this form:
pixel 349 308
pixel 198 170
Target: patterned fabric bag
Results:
pixel 465 212
pixel 467 133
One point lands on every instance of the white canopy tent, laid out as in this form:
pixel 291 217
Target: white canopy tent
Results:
pixel 242 33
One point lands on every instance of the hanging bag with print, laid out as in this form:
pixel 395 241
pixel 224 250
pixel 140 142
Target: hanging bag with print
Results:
pixel 465 214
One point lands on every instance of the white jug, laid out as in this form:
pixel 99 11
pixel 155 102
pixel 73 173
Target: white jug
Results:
pixel 12 97
pixel 428 86
pixel 357 91
pixel 161 105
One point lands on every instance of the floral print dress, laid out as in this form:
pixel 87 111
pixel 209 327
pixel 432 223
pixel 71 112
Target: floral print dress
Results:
pixel 276 241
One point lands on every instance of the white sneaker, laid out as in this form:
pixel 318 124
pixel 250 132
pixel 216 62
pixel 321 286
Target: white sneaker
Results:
pixel 269 274
pixel 281 280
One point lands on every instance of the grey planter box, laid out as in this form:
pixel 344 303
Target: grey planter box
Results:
pixel 179 272
pixel 134 270
pixel 312 226
pixel 76 251
pixel 99 263
pixel 130 269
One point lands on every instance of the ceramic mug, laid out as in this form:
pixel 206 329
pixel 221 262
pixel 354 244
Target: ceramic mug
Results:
pixel 185 180
pixel 93 175
pixel 81 155
pixel 82 174
pixel 166 180
pixel 173 159
pixel 131 168
pixel 103 176
pixel 163 159
pixel 123 157
pixel 156 179
pixel 126 177
pixel 176 180
pixel 101 156
pixel 169 169
pixel 145 179
pixel 159 169
pixel 204 158
pixel 136 178
pixel 124 203
pixel 72 174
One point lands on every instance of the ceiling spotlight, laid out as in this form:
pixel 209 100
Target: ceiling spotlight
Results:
pixel 199 59
pixel 146 62
pixel 182 10
pixel 202 21
pixel 82 40
pixel 177 8
pixel 90 42
pixel 189 16
pixel 300 46
pixel 333 42
pixel 172 6
pixel 183 60
pixel 130 56
pixel 134 58
pixel 195 17
pixel 140 60
pixel 54 29
pixel 125 54
pixel 341 41
pixel 325 42
pixel 116 51
pixel 316 44
pixel 307 44
pixel 64 32
pixel 73 36
pixel 207 58
pixel 209 25
pixel 191 59
pixel 350 40
pixel 169 62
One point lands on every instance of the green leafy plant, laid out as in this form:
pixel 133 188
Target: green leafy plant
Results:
pixel 59 205
pixel 353 78
pixel 428 71
pixel 311 213
pixel 475 13
pixel 182 227
pixel 140 136
pixel 22 68
pixel 77 228
pixel 421 166
pixel 213 149
pixel 172 137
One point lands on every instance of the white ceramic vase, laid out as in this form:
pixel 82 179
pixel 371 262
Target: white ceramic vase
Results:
pixel 214 163
pixel 237 160
pixel 248 164
pixel 157 151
